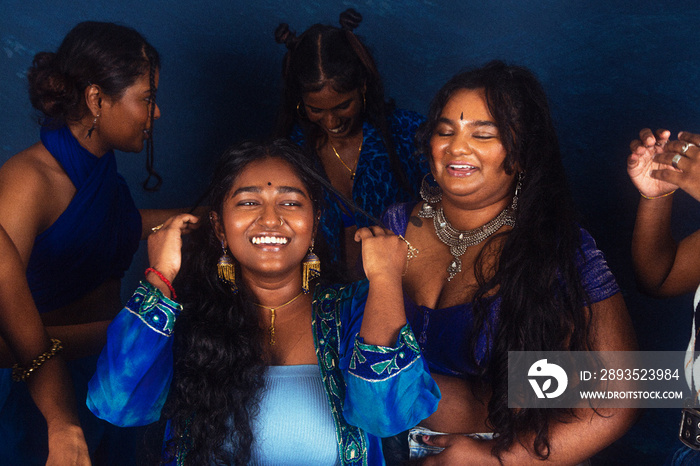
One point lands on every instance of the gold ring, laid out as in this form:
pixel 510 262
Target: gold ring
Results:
pixel 157 227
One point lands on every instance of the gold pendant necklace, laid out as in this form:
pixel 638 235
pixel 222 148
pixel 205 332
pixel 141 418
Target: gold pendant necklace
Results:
pixel 272 315
pixel 351 170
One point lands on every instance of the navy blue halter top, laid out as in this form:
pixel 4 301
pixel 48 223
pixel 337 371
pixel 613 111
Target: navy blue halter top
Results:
pixel 97 235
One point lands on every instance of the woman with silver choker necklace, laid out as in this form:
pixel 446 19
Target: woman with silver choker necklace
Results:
pixel 502 266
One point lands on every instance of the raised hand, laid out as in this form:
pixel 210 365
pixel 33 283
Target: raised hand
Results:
pixel 641 163
pixel 685 173
pixel 383 252
pixel 165 245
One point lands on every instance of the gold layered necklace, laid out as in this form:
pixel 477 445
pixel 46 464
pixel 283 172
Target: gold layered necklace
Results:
pixel 272 315
pixel 359 151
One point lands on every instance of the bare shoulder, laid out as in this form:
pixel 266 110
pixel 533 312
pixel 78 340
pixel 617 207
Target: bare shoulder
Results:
pixel 33 163
pixel 34 191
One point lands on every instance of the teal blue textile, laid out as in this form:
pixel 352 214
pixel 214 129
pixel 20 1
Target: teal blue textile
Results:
pixel 380 390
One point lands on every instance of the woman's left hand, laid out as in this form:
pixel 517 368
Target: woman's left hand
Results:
pixel 383 253
pixel 459 449
pixel 687 176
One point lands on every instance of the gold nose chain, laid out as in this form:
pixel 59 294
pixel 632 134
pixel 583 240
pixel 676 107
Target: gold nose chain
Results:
pixel 272 315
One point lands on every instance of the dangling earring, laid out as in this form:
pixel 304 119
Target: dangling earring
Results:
pixel 429 193
pixel 518 189
pixel 226 269
pixel 311 268
pixel 303 117
pixel 94 125
pixel 364 102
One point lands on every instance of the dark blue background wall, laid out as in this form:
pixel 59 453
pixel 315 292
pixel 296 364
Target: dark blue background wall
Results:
pixel 610 68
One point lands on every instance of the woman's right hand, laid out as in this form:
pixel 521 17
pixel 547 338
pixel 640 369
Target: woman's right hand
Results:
pixel 383 252
pixel 165 245
pixel 67 447
pixel 640 163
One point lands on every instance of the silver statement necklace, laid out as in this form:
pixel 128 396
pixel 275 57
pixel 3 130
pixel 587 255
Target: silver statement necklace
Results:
pixel 459 240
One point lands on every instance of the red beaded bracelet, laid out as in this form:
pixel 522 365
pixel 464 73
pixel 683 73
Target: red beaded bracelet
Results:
pixel 163 279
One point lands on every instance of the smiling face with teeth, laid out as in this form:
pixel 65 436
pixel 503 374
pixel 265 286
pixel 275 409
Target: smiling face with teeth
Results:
pixel 267 219
pixel 467 153
pixel 338 114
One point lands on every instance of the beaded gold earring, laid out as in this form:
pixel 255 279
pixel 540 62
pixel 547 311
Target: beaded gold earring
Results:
pixel 226 269
pixel 311 268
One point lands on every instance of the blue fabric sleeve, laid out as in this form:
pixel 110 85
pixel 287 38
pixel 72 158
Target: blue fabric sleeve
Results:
pixel 396 217
pixel 389 390
pixel 596 277
pixel 135 367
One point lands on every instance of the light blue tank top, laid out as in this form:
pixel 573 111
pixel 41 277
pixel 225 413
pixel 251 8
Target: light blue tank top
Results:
pixel 294 426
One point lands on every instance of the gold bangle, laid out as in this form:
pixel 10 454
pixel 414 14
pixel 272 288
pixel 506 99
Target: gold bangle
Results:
pixel 21 374
pixel 651 198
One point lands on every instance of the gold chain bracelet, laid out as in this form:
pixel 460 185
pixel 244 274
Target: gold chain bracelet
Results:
pixel 21 374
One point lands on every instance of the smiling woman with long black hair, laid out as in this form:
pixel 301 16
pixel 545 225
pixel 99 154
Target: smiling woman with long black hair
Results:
pixel 503 266
pixel 265 366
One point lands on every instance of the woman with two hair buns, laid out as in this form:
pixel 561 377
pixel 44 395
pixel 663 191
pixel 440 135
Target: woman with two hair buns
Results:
pixel 333 105
pixel 69 212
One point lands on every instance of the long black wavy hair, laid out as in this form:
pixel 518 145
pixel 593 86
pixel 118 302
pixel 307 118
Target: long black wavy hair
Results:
pixel 219 362
pixel 105 54
pixel 336 56
pixel 543 304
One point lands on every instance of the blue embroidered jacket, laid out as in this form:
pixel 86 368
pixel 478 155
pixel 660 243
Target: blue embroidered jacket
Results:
pixel 372 391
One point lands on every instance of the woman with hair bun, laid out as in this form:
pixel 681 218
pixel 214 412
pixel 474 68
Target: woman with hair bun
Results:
pixel 69 212
pixel 333 105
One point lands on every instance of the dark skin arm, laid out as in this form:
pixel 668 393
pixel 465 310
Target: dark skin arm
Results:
pixel 50 385
pixel 384 259
pixel 664 267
